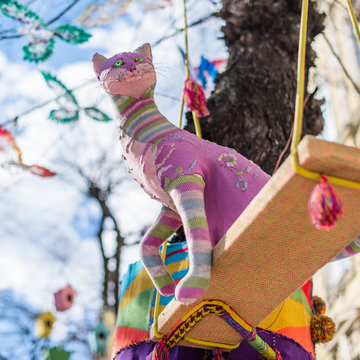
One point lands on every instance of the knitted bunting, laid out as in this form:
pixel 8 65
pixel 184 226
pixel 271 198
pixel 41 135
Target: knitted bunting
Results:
pixel 106 11
pixel 42 43
pixel 11 155
pixel 69 109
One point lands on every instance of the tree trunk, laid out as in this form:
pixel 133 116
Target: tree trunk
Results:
pixel 252 106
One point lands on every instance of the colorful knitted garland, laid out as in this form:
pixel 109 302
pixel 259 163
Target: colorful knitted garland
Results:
pixel 42 43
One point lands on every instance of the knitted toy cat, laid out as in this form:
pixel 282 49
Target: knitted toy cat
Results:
pixel 202 185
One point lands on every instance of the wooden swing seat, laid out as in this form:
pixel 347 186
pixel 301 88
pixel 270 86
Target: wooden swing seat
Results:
pixel 272 249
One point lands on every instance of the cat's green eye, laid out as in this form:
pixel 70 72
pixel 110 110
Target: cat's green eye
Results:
pixel 139 59
pixel 118 63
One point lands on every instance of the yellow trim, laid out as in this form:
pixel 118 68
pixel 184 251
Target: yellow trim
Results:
pixel 190 339
pixel 353 20
pixel 299 104
pixel 197 125
pixel 157 298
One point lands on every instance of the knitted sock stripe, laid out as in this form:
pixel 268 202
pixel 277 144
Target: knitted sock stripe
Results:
pixel 186 182
pixel 134 107
pixel 156 129
pixel 350 250
pixel 145 110
pixel 144 120
pixel 141 124
pixel 165 225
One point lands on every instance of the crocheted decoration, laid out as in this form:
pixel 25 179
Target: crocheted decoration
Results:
pixel 174 167
pixel 208 70
pixel 160 352
pixel 194 98
pixel 217 355
pixel 42 43
pixel 322 329
pixel 325 205
pixel 319 305
pixel 99 14
pixel 69 110
pixel 194 316
pixel 12 155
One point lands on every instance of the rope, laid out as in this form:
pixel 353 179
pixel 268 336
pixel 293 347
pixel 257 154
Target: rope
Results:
pixel 353 20
pixel 299 106
pixel 187 69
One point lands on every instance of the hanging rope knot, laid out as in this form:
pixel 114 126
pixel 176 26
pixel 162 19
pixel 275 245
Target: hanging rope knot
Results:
pixel 325 205
pixel 160 352
pixel 217 355
pixel 278 355
pixel 194 98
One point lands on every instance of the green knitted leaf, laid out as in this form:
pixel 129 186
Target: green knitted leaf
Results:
pixel 39 50
pixel 72 34
pixel 54 83
pixel 96 114
pixel 64 115
pixel 18 12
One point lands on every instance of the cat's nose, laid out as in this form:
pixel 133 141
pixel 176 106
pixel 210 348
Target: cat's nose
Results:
pixel 133 68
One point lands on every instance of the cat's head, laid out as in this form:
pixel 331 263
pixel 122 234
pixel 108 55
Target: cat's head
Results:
pixel 128 73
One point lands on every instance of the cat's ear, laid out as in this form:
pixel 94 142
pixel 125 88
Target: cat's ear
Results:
pixel 145 50
pixel 97 61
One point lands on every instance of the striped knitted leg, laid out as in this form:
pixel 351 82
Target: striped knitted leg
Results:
pixel 187 192
pixel 352 249
pixel 166 224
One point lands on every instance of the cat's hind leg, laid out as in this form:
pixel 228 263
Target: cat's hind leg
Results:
pixel 166 224
pixel 187 193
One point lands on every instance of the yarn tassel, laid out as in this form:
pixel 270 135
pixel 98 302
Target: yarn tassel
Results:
pixel 217 354
pixel 322 327
pixel 160 352
pixel 325 205
pixel 194 98
pixel 278 355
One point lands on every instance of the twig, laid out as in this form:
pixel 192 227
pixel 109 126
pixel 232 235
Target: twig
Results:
pixel 341 64
pixel 38 106
pixel 57 17
pixel 180 30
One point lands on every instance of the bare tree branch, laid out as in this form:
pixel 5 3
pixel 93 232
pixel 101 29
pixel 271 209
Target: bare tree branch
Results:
pixel 341 63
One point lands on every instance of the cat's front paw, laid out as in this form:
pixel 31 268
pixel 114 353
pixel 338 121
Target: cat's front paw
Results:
pixel 168 289
pixel 191 289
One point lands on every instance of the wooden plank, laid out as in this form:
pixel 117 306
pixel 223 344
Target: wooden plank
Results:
pixel 272 248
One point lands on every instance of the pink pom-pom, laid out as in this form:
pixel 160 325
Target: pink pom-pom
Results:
pixel 325 205
pixel 194 98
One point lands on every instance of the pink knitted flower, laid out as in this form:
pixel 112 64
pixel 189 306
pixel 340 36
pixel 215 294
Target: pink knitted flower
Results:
pixel 194 98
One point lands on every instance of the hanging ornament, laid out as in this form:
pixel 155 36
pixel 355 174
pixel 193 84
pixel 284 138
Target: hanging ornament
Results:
pixel 96 114
pixel 99 14
pixel 108 10
pixel 325 205
pixel 69 109
pixel 208 70
pixel 194 98
pixel 56 353
pixel 10 154
pixel 8 147
pixel 44 324
pixel 64 298
pixel 42 43
pixel 151 5
pixel 98 338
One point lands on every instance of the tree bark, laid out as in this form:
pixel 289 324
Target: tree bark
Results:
pixel 252 106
